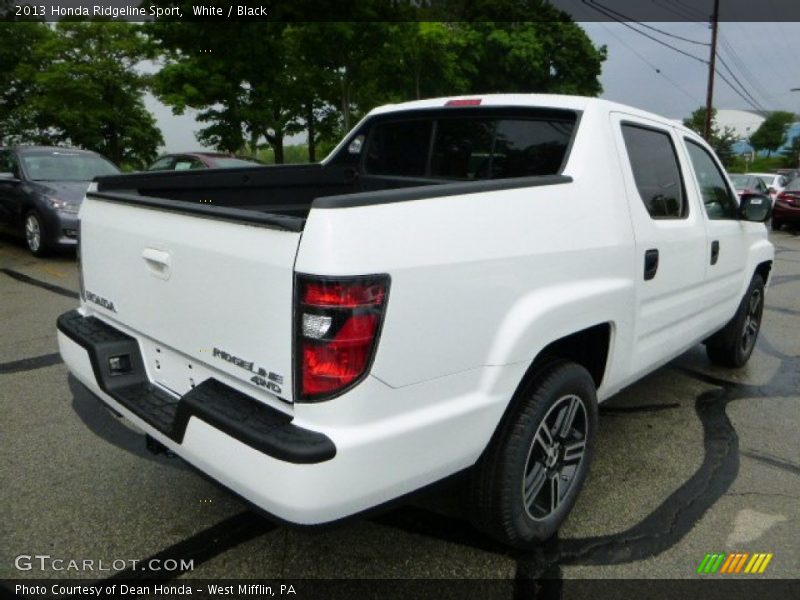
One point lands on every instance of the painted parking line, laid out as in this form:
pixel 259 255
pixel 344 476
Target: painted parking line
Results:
pixel 56 289
pixel 29 364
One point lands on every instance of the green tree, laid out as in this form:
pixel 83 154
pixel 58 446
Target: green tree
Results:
pixel 791 153
pixel 266 80
pixel 721 141
pixel 531 57
pixel 18 67
pixel 234 74
pixel 771 135
pixel 89 93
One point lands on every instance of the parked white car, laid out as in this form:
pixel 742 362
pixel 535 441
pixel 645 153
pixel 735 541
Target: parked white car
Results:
pixel 775 183
pixel 455 287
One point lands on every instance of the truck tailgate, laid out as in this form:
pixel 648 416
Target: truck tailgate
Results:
pixel 203 296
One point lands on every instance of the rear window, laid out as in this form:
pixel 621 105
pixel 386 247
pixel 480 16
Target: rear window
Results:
pixel 740 181
pixel 470 147
pixel 399 148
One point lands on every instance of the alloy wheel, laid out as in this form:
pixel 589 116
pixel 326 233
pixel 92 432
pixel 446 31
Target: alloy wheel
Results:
pixel 555 456
pixel 33 233
pixel 752 321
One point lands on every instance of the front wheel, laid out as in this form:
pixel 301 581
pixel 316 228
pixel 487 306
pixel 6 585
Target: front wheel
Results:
pixel 733 345
pixel 528 479
pixel 34 234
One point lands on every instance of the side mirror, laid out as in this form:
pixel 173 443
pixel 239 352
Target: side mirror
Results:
pixel 9 178
pixel 755 207
pixel 772 190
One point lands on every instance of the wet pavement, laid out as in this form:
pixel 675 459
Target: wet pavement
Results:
pixel 693 459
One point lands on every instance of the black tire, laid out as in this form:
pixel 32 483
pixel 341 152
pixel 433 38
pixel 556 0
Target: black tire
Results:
pixel 504 501
pixel 34 231
pixel 776 225
pixel 734 343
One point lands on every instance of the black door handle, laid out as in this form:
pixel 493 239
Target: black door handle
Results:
pixel 650 264
pixel 714 252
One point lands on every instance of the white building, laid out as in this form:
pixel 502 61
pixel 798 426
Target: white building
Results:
pixel 743 122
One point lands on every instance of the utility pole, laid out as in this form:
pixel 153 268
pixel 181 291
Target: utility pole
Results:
pixel 712 65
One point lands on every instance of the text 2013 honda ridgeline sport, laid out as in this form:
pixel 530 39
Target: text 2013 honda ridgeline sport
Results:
pixel 455 287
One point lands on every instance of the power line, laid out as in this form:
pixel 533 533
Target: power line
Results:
pixel 674 10
pixel 656 29
pixel 590 4
pixel 742 96
pixel 651 65
pixel 692 10
pixel 754 102
pixel 608 13
pixel 754 82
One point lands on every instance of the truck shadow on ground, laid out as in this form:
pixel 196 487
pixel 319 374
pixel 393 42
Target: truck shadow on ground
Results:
pixel 538 572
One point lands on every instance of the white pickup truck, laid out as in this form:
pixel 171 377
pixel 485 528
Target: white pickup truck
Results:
pixel 454 288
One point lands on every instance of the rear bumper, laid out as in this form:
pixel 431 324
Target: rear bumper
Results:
pixel 241 417
pixel 328 461
pixel 785 213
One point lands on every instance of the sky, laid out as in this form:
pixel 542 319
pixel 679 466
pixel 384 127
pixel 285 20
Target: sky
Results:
pixel 765 57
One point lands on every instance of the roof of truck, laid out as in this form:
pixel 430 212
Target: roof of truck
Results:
pixel 580 103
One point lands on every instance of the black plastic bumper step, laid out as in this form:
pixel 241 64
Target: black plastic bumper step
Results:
pixel 259 426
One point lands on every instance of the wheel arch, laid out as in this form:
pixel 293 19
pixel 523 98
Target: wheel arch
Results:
pixel 589 347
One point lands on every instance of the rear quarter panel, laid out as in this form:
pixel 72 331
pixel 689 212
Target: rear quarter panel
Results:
pixel 489 279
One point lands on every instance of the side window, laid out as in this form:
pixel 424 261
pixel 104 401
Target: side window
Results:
pixel 717 197
pixel 526 148
pixel 399 148
pixel 463 149
pixel 183 163
pixel 162 164
pixel 8 164
pixel 656 171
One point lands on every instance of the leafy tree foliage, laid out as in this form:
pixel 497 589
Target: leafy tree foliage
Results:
pixel 77 84
pixel 253 81
pixel 17 71
pixel 771 135
pixel 721 141
pixel 89 93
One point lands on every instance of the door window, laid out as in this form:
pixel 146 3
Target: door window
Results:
pixel 718 199
pixel 656 171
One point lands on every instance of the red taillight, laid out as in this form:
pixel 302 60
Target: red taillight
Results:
pixel 343 294
pixel 464 102
pixel 337 327
pixel 788 198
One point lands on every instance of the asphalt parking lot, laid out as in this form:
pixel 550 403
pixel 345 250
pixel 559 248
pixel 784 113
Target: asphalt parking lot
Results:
pixel 693 459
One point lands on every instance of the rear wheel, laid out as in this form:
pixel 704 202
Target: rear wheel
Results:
pixel 528 479
pixel 35 234
pixel 776 225
pixel 733 345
